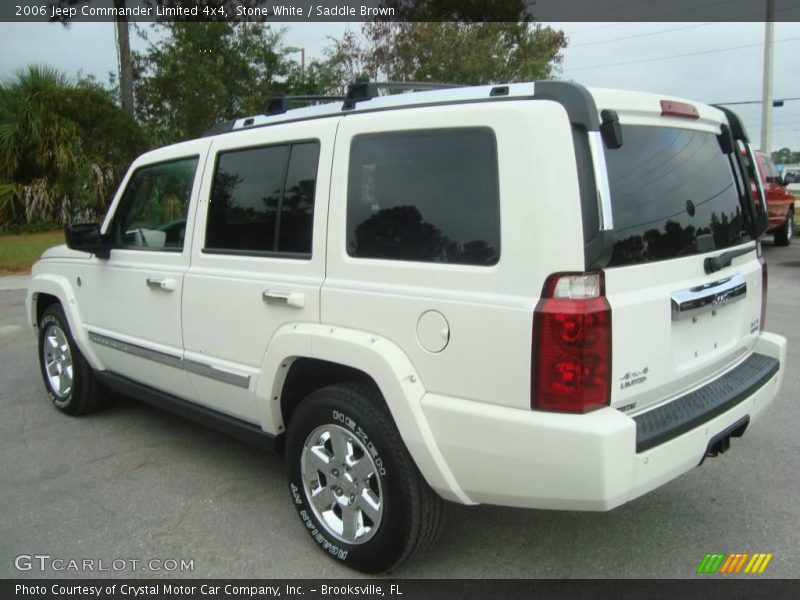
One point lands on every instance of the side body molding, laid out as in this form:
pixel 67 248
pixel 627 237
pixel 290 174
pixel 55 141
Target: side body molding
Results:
pixel 382 360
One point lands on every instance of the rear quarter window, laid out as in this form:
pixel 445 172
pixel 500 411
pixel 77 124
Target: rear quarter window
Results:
pixel 427 196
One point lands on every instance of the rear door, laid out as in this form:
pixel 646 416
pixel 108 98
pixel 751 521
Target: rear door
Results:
pixel 678 199
pixel 258 258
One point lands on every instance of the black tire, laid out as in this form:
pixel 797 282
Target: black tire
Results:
pixel 410 511
pixel 83 394
pixel 783 236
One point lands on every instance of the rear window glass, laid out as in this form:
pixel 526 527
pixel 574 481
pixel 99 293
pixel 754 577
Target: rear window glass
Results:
pixel 672 194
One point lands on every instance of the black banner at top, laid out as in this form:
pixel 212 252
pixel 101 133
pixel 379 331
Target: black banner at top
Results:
pixel 399 10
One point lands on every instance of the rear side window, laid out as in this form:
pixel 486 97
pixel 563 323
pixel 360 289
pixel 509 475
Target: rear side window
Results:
pixel 673 194
pixel 428 196
pixel 262 200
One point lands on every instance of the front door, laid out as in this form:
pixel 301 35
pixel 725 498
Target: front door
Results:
pixel 132 300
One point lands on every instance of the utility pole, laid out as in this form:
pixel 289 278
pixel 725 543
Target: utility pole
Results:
pixel 766 104
pixel 302 52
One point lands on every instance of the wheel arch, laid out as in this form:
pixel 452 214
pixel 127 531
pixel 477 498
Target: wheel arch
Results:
pixel 305 375
pixel 290 366
pixel 43 300
pixel 47 289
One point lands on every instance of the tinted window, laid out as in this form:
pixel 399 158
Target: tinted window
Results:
pixel 244 199
pixel 152 212
pixel 297 210
pixel 672 194
pixel 262 200
pixel 427 196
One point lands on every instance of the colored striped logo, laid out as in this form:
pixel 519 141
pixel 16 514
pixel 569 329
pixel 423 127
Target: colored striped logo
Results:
pixel 735 563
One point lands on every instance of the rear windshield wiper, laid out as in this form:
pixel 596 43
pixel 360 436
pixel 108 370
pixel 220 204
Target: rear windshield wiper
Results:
pixel 717 263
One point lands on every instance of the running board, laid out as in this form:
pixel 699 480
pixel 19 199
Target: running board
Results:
pixel 241 430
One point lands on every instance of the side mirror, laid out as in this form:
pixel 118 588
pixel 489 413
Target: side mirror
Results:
pixel 86 237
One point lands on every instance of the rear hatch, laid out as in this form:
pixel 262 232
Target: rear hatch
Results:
pixel 678 199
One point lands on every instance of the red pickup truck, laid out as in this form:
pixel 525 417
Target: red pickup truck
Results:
pixel 780 202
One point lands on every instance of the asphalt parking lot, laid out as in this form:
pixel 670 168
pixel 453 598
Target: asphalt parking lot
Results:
pixel 132 482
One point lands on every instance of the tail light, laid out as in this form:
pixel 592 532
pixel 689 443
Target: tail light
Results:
pixel 762 322
pixel 571 355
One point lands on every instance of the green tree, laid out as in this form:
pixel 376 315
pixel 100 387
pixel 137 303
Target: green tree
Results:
pixel 204 73
pixel 122 31
pixel 62 147
pixel 452 52
pixel 786 156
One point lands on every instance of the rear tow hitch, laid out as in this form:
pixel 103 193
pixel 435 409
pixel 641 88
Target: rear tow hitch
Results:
pixel 721 442
pixel 721 446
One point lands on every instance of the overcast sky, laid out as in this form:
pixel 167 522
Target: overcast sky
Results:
pixel 711 62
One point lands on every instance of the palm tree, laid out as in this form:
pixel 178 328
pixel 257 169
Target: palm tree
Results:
pixel 122 26
pixel 46 169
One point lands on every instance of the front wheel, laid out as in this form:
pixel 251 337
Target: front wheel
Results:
pixel 783 236
pixel 69 379
pixel 354 485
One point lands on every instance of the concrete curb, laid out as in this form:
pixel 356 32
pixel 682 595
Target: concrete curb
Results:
pixel 14 282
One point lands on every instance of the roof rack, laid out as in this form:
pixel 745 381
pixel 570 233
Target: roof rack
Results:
pixel 358 91
pixel 280 103
pixel 281 108
pixel 364 89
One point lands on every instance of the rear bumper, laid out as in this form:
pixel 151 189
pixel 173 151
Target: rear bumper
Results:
pixel 532 459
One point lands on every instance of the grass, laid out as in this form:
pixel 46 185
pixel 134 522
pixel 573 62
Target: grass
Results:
pixel 19 252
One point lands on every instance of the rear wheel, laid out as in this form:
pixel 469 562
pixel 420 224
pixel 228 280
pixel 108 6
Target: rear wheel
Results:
pixel 69 379
pixel 354 485
pixel 783 236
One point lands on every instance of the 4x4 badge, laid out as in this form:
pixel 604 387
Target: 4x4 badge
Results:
pixel 632 378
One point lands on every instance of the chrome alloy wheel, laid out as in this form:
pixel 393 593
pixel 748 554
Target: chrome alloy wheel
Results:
pixel 57 361
pixel 342 484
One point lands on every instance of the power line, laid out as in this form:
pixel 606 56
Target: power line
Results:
pixel 756 101
pixel 630 37
pixel 606 26
pixel 658 17
pixel 646 60
pixel 613 9
pixel 783 120
pixel 738 19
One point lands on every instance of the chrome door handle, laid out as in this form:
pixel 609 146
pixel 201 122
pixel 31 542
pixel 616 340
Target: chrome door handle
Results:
pixel 293 299
pixel 161 284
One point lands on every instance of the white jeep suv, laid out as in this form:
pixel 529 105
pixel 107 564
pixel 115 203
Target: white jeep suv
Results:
pixel 532 295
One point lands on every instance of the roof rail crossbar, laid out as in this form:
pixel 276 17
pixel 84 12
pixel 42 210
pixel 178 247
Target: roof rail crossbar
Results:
pixel 362 90
pixel 280 103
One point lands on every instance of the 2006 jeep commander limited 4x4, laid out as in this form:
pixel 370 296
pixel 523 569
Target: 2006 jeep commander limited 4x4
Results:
pixel 532 295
